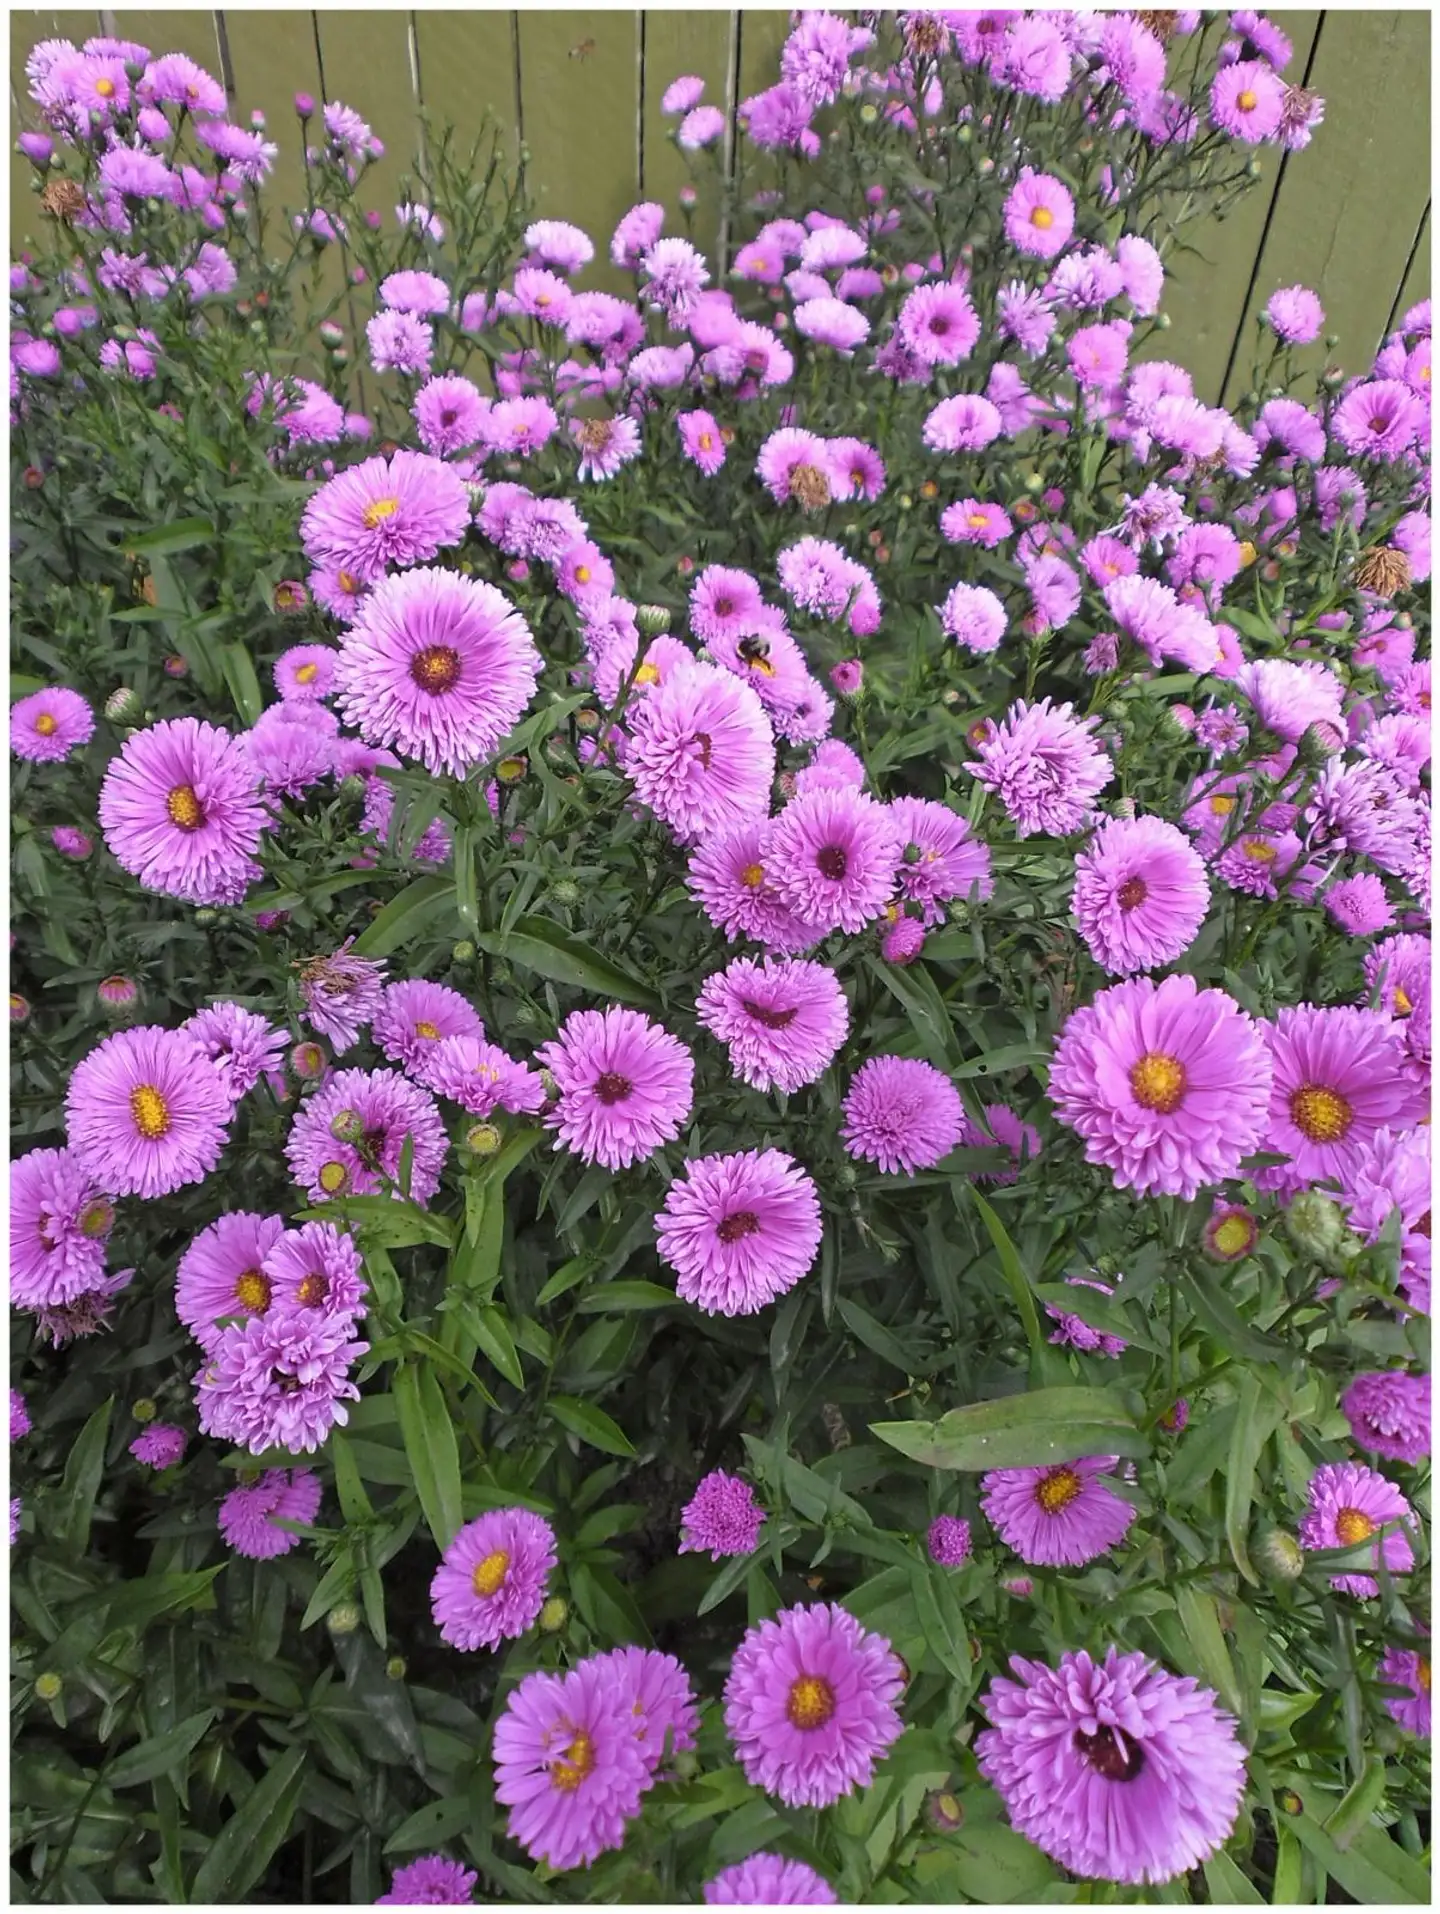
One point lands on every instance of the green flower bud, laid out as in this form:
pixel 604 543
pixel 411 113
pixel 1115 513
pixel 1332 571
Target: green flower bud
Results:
pixel 144 1410
pixel 1280 1555
pixel 48 1686
pixel 205 915
pixel 122 705
pixel 463 953
pixel 482 1139
pixel 347 1126
pixel 1312 1222
pixel 565 891
pixel 944 1812
pixel 554 1615
pixel 343 1620
pixel 352 787
pixel 652 620
pixel 395 1668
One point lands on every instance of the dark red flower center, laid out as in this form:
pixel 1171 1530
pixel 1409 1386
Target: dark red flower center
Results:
pixel 435 669
pixel 612 1087
pixel 832 862
pixel 742 1223
pixel 1111 1757
pixel 1131 893
pixel 771 1019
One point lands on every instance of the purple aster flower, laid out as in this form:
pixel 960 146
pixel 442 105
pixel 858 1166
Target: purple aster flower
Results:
pixel 674 274
pixel 1043 764
pixel 768 1880
pixel 450 414
pixel 938 324
pixel 521 426
pixel 160 1446
pixel 242 1045
pixel 71 842
pixel 58 1225
pixel 19 1416
pixel 1289 698
pixel 1140 894
pixel 1301 111
pixel 1295 315
pixel 1119 1771
pixel 1021 1139
pixel 974 617
pixel 1349 1503
pixel 739 1230
pixel 490 1587
pixel 810 1704
pixel 1039 215
pixel 222 1273
pixel 181 812
pixel 380 1108
pixel 1247 101
pixel 399 342
pixel 1024 314
pixel 702 440
pixel 965 423
pixel 480 1077
pixel 1168 1085
pixel 341 994
pixel 559 244
pixel 902 1114
pixel 700 751
pixel 731 877
pixel 316 1267
pixel 973 521
pixel 794 464
pixel 722 1517
pixel 1399 967
pixel 782 1020
pixel 660 1704
pixel 568 1763
pixel 396 511
pixel 605 445
pixel 1364 808
pixel 1389 1414
pixel 1054 591
pixel 413 1016
pixel 1409 1670
pixel 250 1517
pixel 1075 1333
pixel 1337 1079
pixel 1378 419
pixel 175 80
pixel 434 1880
pixel 305 674
pixel 1151 615
pixel 146 1112
pixel 626 1085
pixel 439 665
pixel 948 1540
pixel 831 322
pixel 290 748
pixel 1359 905
pixel 940 859
pixel 857 470
pixel 279 1381
pixel 1058 1516
pixel 832 858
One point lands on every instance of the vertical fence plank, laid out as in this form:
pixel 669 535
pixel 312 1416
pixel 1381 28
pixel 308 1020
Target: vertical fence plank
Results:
pixel 675 44
pixel 185 30
pixel 272 56
pixel 467 67
pixel 365 59
pixel 580 101
pixel 1349 205
pixel 1416 284
pixel 1208 282
pixel 762 34
pixel 27 222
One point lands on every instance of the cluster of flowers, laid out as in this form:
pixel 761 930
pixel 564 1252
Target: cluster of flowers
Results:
pixel 1303 784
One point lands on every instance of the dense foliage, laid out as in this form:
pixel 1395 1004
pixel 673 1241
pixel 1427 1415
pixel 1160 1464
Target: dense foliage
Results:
pixel 820 877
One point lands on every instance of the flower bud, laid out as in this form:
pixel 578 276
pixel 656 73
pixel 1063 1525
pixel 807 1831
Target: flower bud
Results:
pixel 343 1620
pixel 554 1615
pixel 482 1139
pixel 19 1009
pixel 352 786
pixel 1319 742
pixel 511 770
pixel 205 915
pixel 307 1060
pixel 653 620
pixel 48 1686
pixel 463 953
pixel 1314 1224
pixel 1280 1555
pixel 944 1812
pixel 347 1126
pixel 333 1178
pixel 565 891
pixel 395 1668
pixel 96 1218
pixel 117 992
pixel 122 705
pixel 144 1410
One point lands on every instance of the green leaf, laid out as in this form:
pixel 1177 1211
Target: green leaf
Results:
pixel 1007 1056
pixel 1352 1815
pixel 625 1296
pixel 430 1445
pixel 404 916
pixel 244 685
pixel 941 1620
pixel 567 1276
pixel 992 1864
pixel 160 1754
pixel 1228 1884
pixel 1014 1271
pixel 492 1332
pixel 354 1502
pixel 1256 1417
pixel 1215 1311
pixel 876 1336
pixel 916 992
pixel 467 902
pixel 1205 1639
pixel 1374 1869
pixel 1023 1431
pixel 241 1852
pixel 537 944
pixel 432 1825
pixel 84 1467
pixel 181 535
pixel 592 1425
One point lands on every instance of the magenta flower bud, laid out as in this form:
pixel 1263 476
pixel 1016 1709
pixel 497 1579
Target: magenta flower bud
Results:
pixel 117 992
pixel 307 1060
pixel 304 105
pixel 847 676
pixel 268 919
pixel 904 941
pixel 37 147
pixel 71 842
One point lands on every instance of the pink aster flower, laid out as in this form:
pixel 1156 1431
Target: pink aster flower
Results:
pixel 974 617
pixel 180 811
pixel 1140 894
pixel 1117 1770
pixel 722 1517
pixel 1378 418
pixel 700 751
pixel 222 1274
pixel 938 324
pixel 1168 1085
pixel 1408 1670
pixel 1039 215
pixel 1042 763
pixel 1359 906
pixel 856 470
pixel 434 1880
pixel 731 877
pixel 833 855
pixel 47 726
pixel 450 414
pixel 1389 1414
pixel 1349 1503
pixel 966 423
pixel 661 1704
pixel 1338 1078
pixel 379 1109
pixel 1075 1333
pixel 279 1381
pixel 782 1020
pixel 241 1044
pixel 1061 1515
pixel 940 858
pixel 412 1017
pixel 739 1230
pixel 400 342
pixel 831 322
pixel 490 1586
pixel 559 244
pixel 19 1416
pixel 769 1880
pixel 1289 698
pixel 341 993
pixel 625 1085
pixel 901 1114
pixel 396 511
pixel 973 521
pixel 58 1225
pixel 315 1267
pixel 439 665
pixel 702 440
pixel 1021 1139
pixel 160 1446
pixel 250 1518
pixel 146 1112
pixel 810 1704
pixel 948 1541
pixel 568 1763
pixel 481 1078
pixel 305 674
pixel 1295 315
pixel 605 445
pixel 1247 101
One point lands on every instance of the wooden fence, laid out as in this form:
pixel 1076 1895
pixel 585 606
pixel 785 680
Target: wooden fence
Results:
pixel 1350 216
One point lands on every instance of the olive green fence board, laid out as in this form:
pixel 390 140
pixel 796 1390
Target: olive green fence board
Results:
pixel 582 90
pixel 1348 207
pixel 1210 270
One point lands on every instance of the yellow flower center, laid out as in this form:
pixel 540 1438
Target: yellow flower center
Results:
pixel 184 809
pixel 252 1290
pixel 150 1111
pixel 810 1703
pixel 647 675
pixel 1222 806
pixel 574 1765
pixel 1247 101
pixel 313 1290
pixel 977 519
pixel 752 877
pixel 428 1031
pixel 1057 1490
pixel 1248 553
pixel 582 574
pixel 1232 1236
pixel 1353 1525
pixel 46 725
pixel 1157 1082
pixel 377 511
pixel 306 674
pixel 347 581
pixel 1422 1673
pixel 1403 1005
pixel 706 442
pixel 1257 851
pixel 1043 218
pixel 1320 1114
pixel 106 89
pixel 435 669
pixel 490 1573
pixel 333 1178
